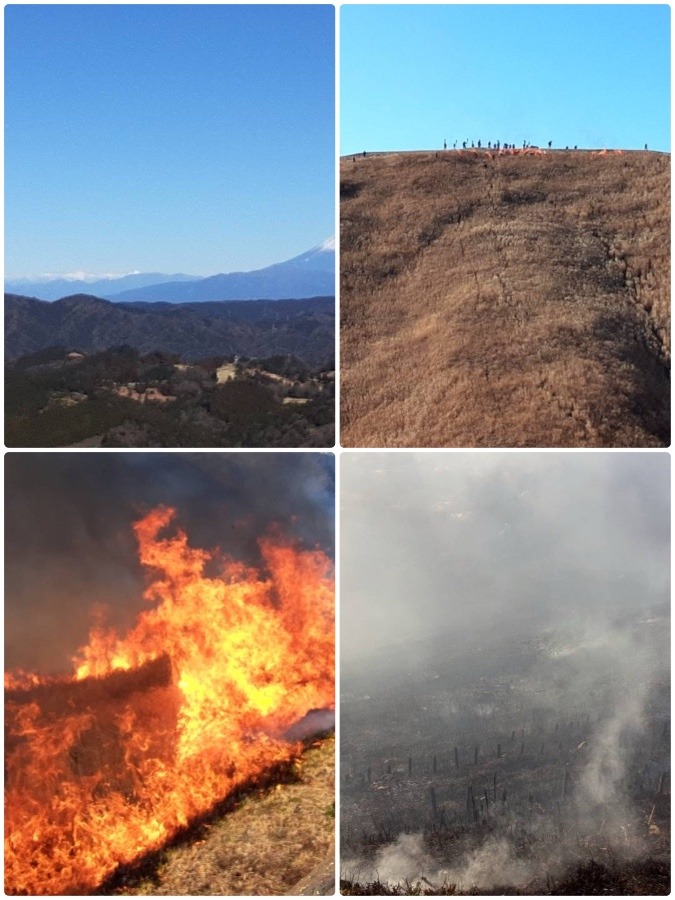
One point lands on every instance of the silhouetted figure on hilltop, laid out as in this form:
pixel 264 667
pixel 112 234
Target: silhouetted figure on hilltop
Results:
pixel 364 154
pixel 445 144
pixel 464 145
pixel 550 144
pixel 646 148
pixel 479 145
pixel 454 146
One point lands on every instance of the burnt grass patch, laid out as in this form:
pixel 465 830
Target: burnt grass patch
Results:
pixel 490 777
pixel 645 878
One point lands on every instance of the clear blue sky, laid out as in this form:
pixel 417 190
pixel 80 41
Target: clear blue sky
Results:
pixel 592 75
pixel 167 138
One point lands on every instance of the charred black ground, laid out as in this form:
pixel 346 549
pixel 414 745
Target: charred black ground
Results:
pixel 505 677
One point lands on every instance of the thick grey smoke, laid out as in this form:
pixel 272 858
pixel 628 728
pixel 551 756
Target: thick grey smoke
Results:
pixel 458 540
pixel 69 544
pixel 484 593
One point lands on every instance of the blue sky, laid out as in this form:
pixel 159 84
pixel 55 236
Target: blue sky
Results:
pixel 167 138
pixel 592 75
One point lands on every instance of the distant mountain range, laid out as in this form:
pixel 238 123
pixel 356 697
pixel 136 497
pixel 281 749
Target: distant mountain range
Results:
pixel 311 274
pixel 54 288
pixel 301 327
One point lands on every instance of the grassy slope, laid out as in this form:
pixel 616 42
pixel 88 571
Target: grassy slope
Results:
pixel 518 301
pixel 268 842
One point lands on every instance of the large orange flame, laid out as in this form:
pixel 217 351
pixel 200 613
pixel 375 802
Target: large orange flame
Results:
pixel 163 723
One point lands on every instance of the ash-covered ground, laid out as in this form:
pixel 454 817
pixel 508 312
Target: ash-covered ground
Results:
pixel 504 763
pixel 505 729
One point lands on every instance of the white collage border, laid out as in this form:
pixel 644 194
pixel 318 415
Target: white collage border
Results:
pixel 337 451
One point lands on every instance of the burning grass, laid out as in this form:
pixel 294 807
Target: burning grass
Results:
pixel 505 301
pixel 156 728
pixel 259 842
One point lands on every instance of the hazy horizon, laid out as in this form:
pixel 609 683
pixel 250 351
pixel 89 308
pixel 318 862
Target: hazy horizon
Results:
pixel 81 275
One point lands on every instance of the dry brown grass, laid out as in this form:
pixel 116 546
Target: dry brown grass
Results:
pixel 273 839
pixel 506 302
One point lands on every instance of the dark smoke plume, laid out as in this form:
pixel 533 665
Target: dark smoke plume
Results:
pixel 69 545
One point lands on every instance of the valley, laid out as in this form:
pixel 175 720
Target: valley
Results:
pixel 58 397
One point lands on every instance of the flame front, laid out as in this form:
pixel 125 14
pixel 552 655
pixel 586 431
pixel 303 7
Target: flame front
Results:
pixel 224 665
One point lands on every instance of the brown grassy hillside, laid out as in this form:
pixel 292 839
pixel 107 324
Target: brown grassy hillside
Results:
pixel 505 301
